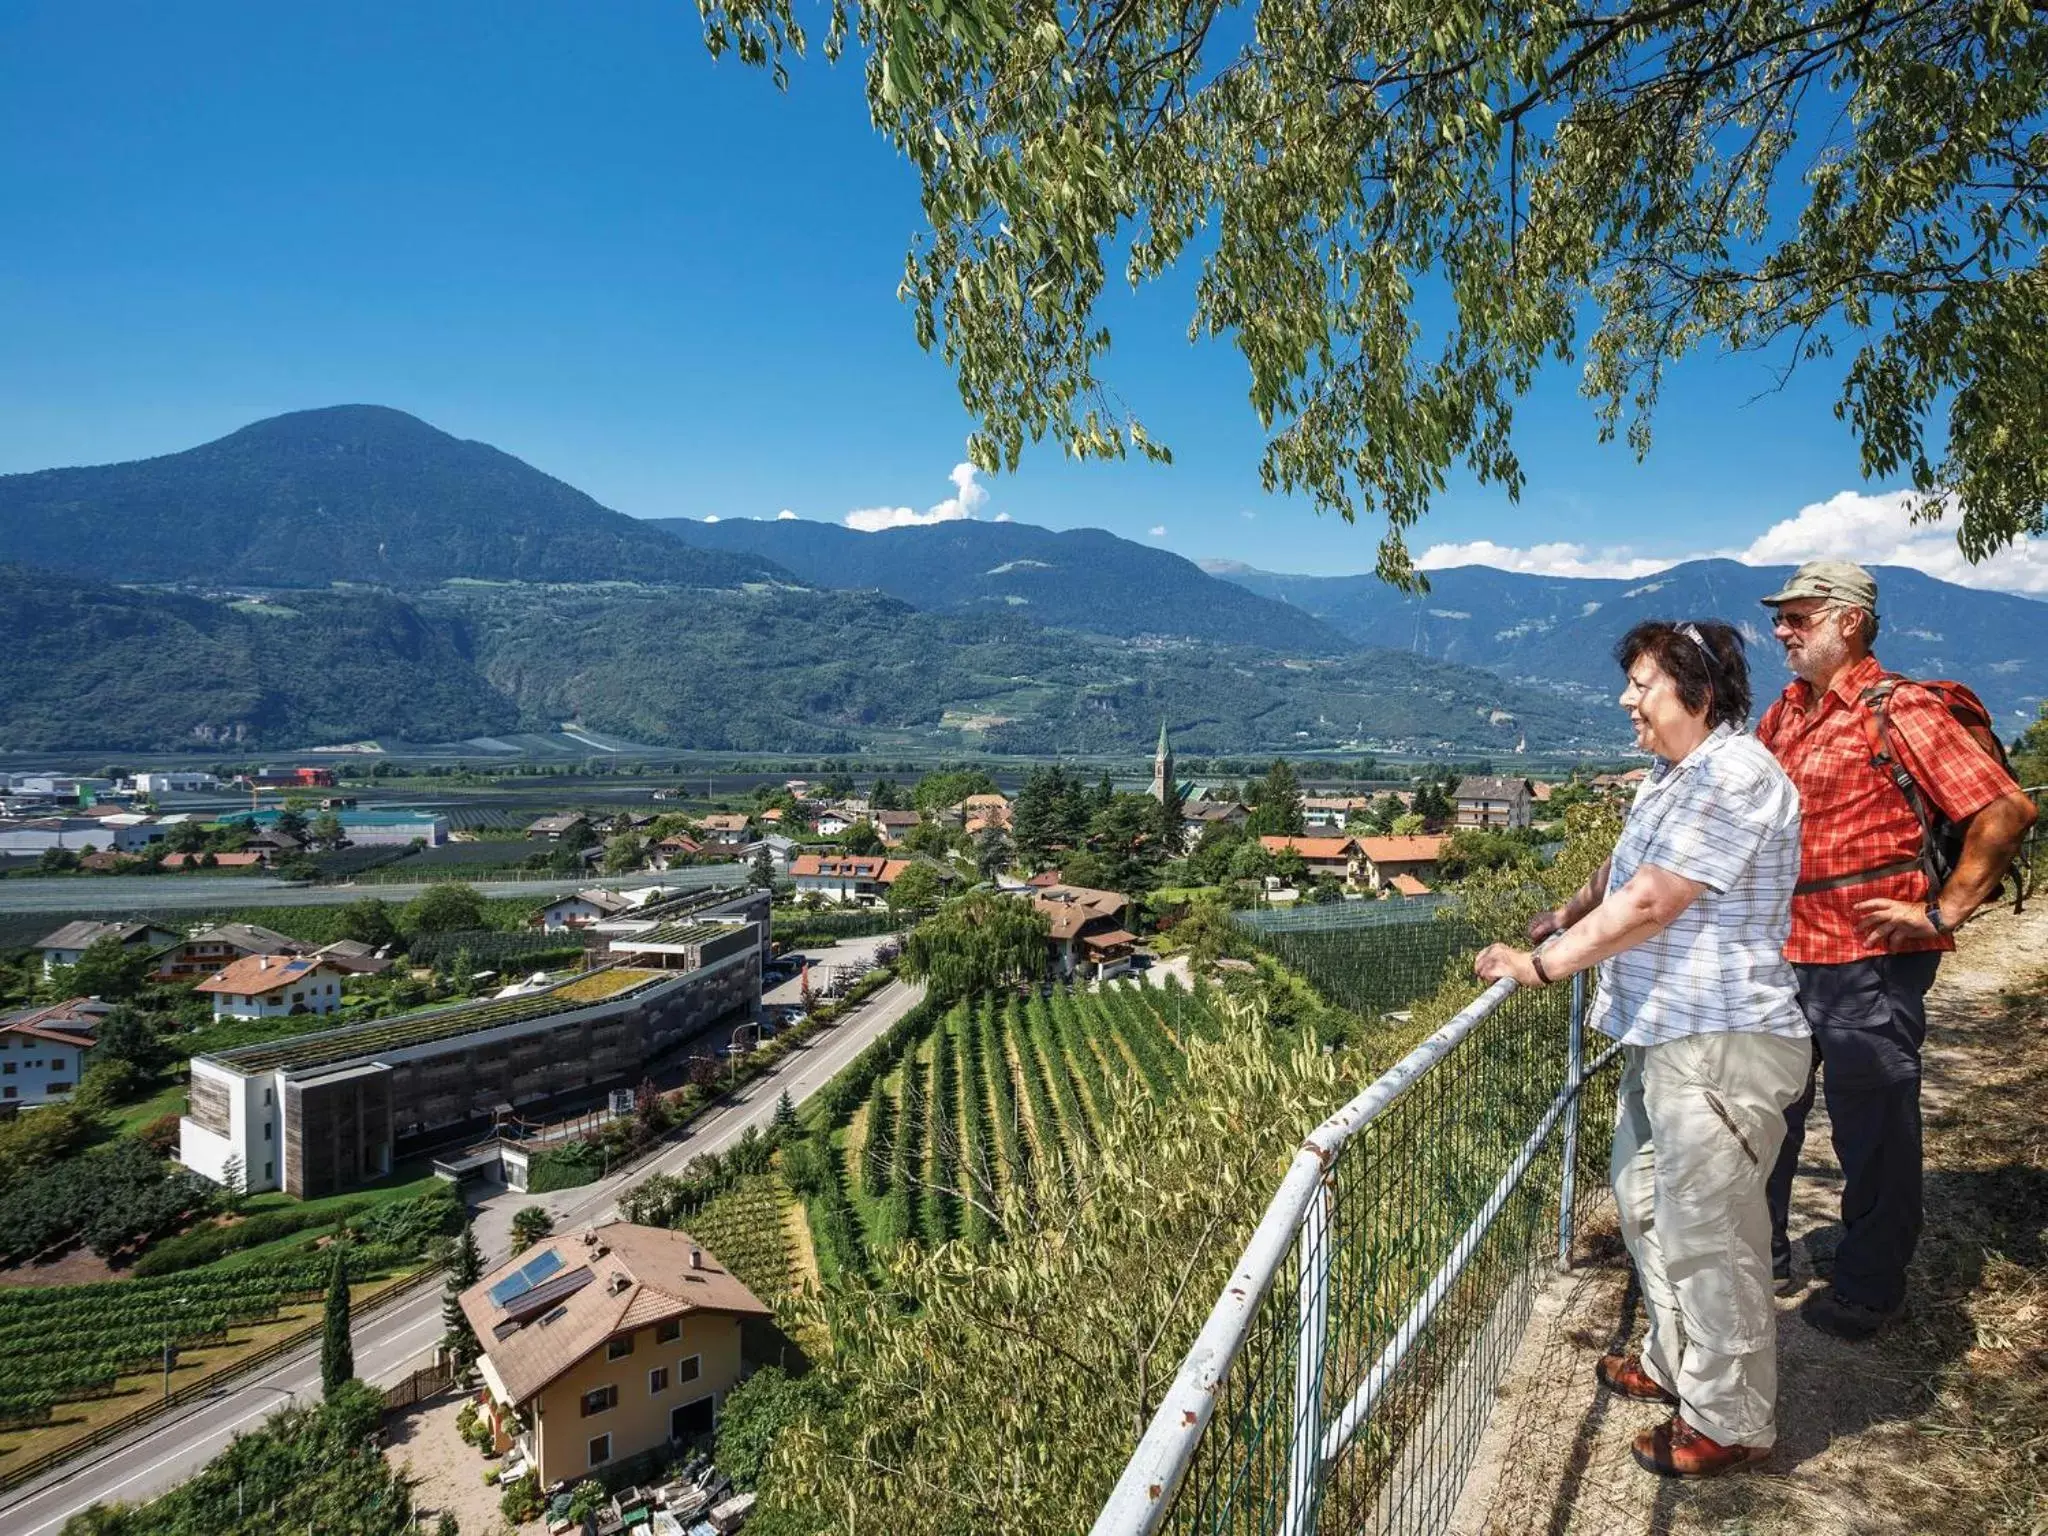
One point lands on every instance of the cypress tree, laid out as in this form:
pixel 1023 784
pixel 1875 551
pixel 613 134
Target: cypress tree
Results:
pixel 337 1354
pixel 465 1268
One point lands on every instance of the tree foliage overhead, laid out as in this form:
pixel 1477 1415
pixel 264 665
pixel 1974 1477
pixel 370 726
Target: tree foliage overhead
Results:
pixel 1610 182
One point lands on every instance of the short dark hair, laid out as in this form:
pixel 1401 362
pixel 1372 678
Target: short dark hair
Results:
pixel 1711 672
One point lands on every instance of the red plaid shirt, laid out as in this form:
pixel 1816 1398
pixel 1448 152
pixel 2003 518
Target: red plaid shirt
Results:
pixel 1853 817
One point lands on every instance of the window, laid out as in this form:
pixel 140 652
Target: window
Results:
pixel 600 1450
pixel 60 1087
pixel 9 1092
pixel 266 1173
pixel 619 1348
pixel 266 1130
pixel 600 1400
pixel 657 1381
pixel 266 1098
pixel 668 1332
pixel 689 1368
pixel 6 1069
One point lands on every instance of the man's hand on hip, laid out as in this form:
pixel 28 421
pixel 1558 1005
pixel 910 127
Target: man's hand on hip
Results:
pixel 1893 922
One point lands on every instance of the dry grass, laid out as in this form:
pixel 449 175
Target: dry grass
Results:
pixel 1940 1428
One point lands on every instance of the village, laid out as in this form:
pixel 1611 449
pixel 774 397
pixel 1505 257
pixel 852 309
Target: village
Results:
pixel 500 1054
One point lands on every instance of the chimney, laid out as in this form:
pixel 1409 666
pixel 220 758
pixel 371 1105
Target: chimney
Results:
pixel 696 1258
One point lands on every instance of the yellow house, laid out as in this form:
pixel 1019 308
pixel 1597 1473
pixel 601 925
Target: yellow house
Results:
pixel 603 1344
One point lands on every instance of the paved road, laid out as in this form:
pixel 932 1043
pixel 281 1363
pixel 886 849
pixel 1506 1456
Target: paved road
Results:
pixel 393 1341
pixel 163 893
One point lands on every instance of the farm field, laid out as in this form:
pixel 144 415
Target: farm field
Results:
pixel 748 1227
pixel 977 1117
pixel 73 1358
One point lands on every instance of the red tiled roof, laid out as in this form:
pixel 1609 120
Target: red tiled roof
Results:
pixel 1402 850
pixel 254 975
pixel 846 866
pixel 1408 885
pixel 1311 847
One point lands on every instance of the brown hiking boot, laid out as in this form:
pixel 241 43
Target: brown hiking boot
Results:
pixel 1625 1374
pixel 1678 1450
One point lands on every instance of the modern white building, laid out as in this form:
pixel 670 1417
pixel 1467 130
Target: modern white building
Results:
pixel 327 1110
pixel 43 1051
pixel 272 986
pixel 174 783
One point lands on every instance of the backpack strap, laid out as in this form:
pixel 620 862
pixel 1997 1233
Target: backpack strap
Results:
pixel 1872 714
pixel 1887 760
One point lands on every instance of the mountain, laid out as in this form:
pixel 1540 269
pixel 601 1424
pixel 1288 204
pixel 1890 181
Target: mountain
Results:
pixel 93 666
pixel 1561 631
pixel 1082 579
pixel 776 669
pixel 354 573
pixel 772 668
pixel 357 493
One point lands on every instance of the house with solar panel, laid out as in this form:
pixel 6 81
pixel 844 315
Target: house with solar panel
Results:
pixel 603 1345
pixel 320 1112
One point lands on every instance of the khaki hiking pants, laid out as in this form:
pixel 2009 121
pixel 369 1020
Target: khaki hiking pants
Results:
pixel 1697 1126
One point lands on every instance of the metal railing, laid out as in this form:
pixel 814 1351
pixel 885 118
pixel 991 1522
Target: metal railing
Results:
pixel 1343 1379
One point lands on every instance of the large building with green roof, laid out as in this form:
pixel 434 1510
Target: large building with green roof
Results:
pixel 319 1112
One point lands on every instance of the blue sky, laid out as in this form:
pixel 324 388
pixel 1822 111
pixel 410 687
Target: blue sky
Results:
pixel 567 232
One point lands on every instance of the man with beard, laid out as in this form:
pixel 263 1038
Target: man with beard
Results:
pixel 1869 926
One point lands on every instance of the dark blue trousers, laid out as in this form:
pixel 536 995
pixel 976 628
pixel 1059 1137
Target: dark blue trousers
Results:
pixel 1869 1021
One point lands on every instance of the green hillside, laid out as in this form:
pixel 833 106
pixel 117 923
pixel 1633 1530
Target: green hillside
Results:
pixel 348 493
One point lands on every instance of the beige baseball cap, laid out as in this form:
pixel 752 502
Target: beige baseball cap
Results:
pixel 1839 581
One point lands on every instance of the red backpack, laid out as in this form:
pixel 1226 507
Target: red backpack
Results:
pixel 1941 840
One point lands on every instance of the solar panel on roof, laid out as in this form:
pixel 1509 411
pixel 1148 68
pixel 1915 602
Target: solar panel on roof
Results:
pixel 530 1274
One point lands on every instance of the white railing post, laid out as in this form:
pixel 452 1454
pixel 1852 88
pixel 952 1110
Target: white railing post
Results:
pixel 1312 1303
pixel 1575 1067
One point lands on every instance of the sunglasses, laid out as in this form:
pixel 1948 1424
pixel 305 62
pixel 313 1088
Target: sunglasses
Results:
pixel 1798 623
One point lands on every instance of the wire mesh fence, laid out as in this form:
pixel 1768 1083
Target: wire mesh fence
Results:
pixel 1370 957
pixel 1344 1379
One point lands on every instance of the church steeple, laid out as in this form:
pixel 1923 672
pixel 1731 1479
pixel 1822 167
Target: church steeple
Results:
pixel 1162 766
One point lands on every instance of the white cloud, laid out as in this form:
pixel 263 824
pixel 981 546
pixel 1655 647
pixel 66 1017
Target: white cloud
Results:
pixel 1002 517
pixel 1158 530
pixel 785 516
pixel 1879 530
pixel 1250 517
pixel 712 518
pixel 1872 529
pixel 1541 559
pixel 967 498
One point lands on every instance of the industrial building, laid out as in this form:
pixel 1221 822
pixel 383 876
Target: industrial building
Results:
pixel 321 1112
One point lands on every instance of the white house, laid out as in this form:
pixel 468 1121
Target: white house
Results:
pixel 859 879
pixel 593 906
pixel 832 823
pixel 266 986
pixel 43 1050
pixel 67 944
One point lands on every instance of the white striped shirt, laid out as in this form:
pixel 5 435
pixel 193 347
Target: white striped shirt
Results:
pixel 1725 817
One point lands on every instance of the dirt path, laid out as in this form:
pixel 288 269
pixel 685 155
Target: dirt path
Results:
pixel 1938 1429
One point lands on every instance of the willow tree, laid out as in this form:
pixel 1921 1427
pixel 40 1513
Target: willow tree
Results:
pixel 976 944
pixel 1398 211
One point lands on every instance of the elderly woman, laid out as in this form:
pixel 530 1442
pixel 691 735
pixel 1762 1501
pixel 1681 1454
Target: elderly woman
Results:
pixel 1687 921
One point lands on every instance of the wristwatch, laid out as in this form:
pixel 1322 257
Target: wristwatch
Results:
pixel 1934 917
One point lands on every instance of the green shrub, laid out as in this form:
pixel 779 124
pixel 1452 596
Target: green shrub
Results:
pixel 520 1501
